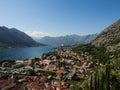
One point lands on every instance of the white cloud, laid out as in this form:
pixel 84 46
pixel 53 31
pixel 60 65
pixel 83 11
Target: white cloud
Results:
pixel 37 34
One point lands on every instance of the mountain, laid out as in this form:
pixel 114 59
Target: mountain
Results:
pixel 110 37
pixel 13 38
pixel 105 49
pixel 67 40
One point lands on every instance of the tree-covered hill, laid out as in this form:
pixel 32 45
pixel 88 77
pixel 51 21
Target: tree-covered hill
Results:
pixel 13 38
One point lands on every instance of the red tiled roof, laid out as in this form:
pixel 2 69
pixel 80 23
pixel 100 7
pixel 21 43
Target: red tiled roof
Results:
pixel 43 79
pixel 2 81
pixel 60 71
pixel 62 86
pixel 80 75
pixel 50 88
pixel 32 85
pixel 10 86
pixel 90 69
pixel 35 82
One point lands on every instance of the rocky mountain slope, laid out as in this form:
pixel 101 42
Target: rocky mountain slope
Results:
pixel 110 37
pixel 13 38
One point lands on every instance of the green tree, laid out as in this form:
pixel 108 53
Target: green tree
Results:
pixel 91 84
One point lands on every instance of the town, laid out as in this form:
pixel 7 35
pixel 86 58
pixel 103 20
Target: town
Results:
pixel 62 69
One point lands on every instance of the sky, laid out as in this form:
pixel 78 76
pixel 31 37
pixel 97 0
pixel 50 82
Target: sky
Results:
pixel 59 17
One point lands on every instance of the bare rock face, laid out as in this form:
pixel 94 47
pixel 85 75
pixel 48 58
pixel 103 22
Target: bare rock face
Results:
pixel 110 37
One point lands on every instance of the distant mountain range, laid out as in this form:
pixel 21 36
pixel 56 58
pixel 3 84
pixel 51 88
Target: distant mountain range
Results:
pixel 67 40
pixel 13 38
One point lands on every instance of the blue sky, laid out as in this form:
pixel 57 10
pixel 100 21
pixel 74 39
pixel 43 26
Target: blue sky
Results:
pixel 59 17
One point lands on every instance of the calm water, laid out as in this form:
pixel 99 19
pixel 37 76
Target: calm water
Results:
pixel 23 53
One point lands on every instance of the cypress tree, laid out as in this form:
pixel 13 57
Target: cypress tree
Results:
pixel 95 82
pixel 98 81
pixel 91 84
pixel 108 77
pixel 102 81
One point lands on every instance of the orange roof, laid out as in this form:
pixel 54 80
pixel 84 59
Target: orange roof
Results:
pixel 62 86
pixel 60 71
pixel 39 80
pixel 32 85
pixel 80 75
pixel 2 81
pixel 43 79
pixel 90 69
pixel 50 88
pixel 10 86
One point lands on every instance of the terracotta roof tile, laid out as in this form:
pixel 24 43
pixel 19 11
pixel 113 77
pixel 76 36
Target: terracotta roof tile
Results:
pixel 10 86
pixel 2 81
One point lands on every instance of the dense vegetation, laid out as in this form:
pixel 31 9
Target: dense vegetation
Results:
pixel 107 76
pixel 98 53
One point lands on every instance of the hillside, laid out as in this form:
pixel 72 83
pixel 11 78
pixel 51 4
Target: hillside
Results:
pixel 88 66
pixel 110 37
pixel 104 49
pixel 13 38
pixel 67 40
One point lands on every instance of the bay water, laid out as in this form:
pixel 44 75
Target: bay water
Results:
pixel 23 53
